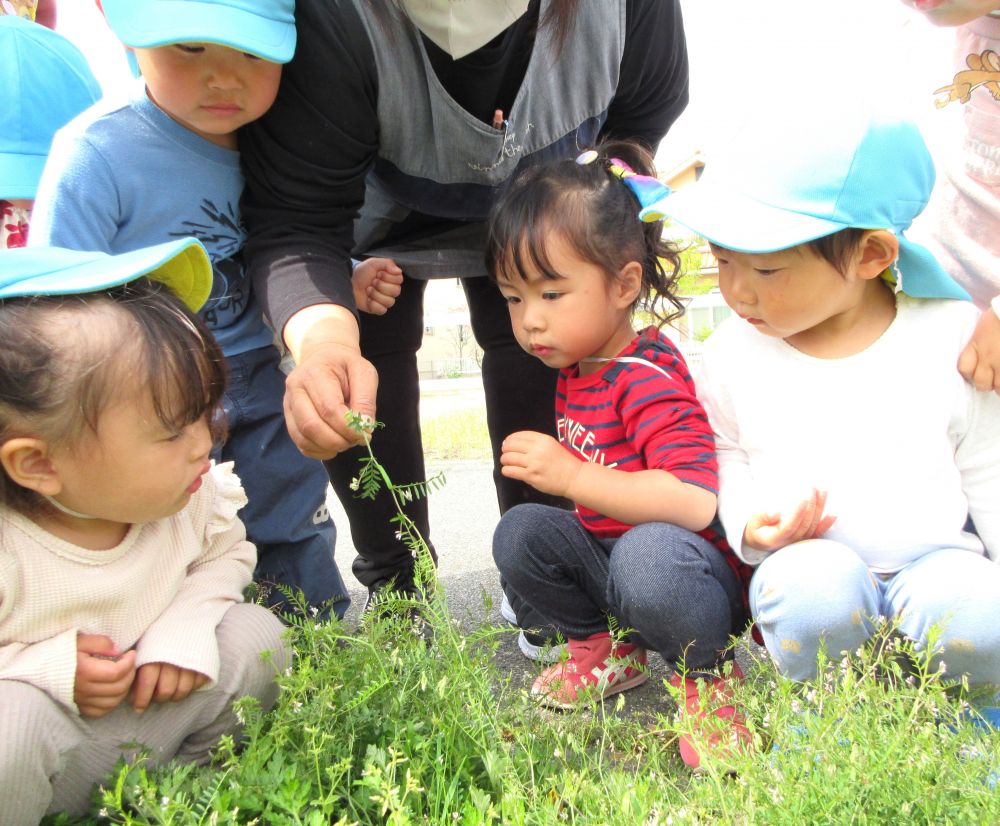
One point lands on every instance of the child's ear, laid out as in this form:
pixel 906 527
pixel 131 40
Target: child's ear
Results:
pixel 28 463
pixel 878 251
pixel 628 284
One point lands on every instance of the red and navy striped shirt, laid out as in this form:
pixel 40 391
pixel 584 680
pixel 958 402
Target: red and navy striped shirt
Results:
pixel 640 412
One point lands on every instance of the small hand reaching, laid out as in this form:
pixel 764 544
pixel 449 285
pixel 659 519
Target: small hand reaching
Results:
pixel 979 362
pixel 376 283
pixel 103 675
pixel 773 531
pixel 540 461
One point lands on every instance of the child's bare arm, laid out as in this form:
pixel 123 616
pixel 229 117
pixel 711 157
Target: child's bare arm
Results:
pixel 377 283
pixel 979 362
pixel 631 497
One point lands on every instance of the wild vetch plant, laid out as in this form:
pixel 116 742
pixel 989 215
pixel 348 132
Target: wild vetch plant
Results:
pixel 373 477
pixel 378 726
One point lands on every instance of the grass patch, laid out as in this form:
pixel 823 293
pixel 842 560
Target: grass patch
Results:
pixel 378 727
pixel 460 434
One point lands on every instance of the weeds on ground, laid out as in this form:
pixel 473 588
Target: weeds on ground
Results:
pixel 379 726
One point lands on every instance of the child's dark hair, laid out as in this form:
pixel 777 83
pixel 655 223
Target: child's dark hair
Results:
pixel 838 249
pixel 66 358
pixel 596 214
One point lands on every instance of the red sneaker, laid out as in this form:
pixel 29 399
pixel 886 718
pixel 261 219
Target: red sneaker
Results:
pixel 597 667
pixel 705 698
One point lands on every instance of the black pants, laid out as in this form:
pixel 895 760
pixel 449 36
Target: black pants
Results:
pixel 520 395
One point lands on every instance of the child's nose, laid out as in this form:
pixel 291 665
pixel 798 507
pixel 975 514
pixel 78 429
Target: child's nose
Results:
pixel 532 318
pixel 201 439
pixel 223 75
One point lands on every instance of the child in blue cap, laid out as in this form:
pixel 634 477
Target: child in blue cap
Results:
pixel 852 453
pixel 165 165
pixel 123 562
pixel 46 83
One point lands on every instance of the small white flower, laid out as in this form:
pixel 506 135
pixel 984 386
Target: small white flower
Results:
pixel 355 483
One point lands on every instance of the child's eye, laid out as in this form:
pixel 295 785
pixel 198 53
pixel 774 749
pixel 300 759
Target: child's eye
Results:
pixel 190 48
pixel 761 271
pixel 550 296
pixel 251 56
pixel 512 299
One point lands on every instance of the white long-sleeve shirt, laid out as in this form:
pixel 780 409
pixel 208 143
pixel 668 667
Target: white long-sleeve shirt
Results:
pixel 905 448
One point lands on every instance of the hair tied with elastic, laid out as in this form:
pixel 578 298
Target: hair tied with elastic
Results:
pixel 649 191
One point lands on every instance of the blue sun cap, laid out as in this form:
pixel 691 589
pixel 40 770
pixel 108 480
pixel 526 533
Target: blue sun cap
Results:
pixel 181 265
pixel 46 83
pixel 265 28
pixel 802 175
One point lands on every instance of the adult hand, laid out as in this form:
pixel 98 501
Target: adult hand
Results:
pixel 539 460
pixel 103 675
pixel 164 683
pixel 979 362
pixel 773 531
pixel 332 378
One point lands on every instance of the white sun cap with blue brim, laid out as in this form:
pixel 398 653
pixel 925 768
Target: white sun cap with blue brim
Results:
pixel 784 183
pixel 265 28
pixel 181 265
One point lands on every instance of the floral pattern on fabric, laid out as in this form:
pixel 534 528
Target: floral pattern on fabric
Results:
pixel 13 223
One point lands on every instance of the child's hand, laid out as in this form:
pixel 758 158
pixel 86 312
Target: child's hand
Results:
pixel 164 683
pixel 980 360
pixel 376 283
pixel 539 460
pixel 772 531
pixel 103 675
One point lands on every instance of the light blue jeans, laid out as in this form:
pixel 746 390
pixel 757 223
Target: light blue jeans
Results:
pixel 821 590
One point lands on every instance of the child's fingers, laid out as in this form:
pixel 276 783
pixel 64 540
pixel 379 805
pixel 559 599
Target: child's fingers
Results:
pixel 144 686
pixel 96 645
pixel 166 685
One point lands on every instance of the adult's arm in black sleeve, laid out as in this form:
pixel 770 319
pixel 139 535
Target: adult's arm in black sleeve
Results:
pixel 305 163
pixel 653 84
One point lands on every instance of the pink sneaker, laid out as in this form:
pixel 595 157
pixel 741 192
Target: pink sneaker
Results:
pixel 597 667
pixel 705 698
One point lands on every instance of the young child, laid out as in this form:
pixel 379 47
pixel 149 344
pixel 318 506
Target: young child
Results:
pixel 635 450
pixel 165 165
pixel 851 451
pixel 963 218
pixel 47 83
pixel 122 560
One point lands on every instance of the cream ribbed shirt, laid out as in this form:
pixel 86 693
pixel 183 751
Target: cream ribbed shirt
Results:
pixel 162 590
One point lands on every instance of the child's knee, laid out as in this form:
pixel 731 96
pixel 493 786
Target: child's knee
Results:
pixel 253 652
pixel 812 591
pixel 35 733
pixel 512 534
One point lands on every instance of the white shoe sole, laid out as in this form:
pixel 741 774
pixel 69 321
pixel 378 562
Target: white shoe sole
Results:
pixel 507 612
pixel 540 653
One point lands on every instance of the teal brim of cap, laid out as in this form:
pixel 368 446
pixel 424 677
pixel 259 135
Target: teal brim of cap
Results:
pixel 730 219
pixel 181 265
pixel 20 174
pixel 268 32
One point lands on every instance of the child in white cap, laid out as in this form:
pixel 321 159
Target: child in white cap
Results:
pixel 165 165
pixel 852 454
pixel 46 83
pixel 123 562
